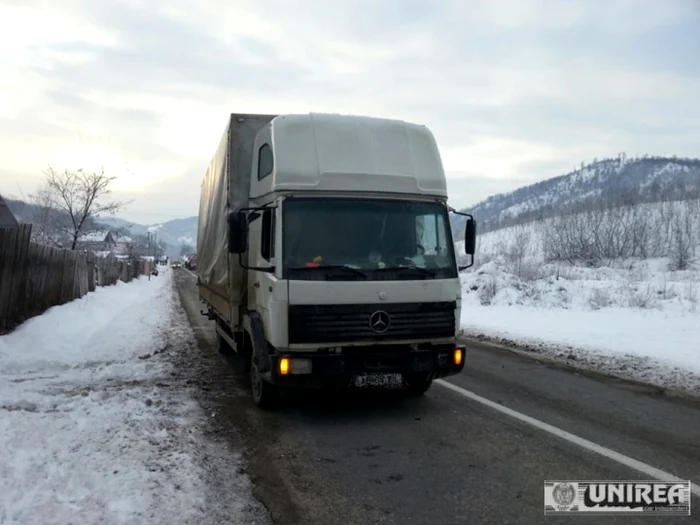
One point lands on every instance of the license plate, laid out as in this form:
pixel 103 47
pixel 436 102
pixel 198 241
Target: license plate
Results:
pixel 378 380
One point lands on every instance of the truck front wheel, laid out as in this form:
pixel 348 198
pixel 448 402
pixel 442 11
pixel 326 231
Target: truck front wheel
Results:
pixel 265 395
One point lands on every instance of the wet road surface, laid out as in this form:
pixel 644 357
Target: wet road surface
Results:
pixel 444 458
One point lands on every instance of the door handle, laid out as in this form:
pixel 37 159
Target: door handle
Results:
pixel 256 284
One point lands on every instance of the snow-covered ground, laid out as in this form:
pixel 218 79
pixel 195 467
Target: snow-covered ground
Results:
pixel 95 426
pixel 632 318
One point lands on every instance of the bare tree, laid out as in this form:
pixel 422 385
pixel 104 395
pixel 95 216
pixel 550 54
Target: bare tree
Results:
pixel 48 222
pixel 74 199
pixel 683 248
pixel 519 249
pixel 140 246
pixel 186 249
pixel 161 248
pixel 147 245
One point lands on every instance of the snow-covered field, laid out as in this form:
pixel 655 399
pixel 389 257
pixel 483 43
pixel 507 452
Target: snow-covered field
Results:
pixel 632 317
pixel 95 426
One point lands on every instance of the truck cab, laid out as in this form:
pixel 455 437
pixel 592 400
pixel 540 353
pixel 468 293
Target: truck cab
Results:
pixel 341 258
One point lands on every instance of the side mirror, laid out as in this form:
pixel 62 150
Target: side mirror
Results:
pixel 470 236
pixel 237 232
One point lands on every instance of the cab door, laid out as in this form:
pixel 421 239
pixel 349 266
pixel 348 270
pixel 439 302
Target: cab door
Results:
pixel 261 283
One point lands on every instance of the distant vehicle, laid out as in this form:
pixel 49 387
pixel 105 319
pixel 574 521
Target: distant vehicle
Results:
pixel 191 262
pixel 327 253
pixel 176 264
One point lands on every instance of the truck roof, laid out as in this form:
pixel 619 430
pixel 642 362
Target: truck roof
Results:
pixel 332 152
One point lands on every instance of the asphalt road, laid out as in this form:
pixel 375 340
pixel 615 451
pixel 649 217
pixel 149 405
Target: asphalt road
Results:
pixel 446 458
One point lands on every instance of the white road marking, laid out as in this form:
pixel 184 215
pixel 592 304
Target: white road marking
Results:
pixel 648 470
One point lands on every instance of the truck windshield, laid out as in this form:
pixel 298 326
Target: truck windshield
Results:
pixel 356 239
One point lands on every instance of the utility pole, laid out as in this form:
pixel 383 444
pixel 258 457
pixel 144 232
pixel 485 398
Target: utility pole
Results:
pixel 148 236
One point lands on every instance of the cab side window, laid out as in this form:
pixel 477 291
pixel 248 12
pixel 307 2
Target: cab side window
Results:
pixel 265 161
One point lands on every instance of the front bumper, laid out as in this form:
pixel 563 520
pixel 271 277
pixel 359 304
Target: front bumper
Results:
pixel 337 369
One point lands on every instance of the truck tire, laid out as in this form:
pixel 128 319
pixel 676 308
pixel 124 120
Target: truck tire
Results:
pixel 417 384
pixel 265 395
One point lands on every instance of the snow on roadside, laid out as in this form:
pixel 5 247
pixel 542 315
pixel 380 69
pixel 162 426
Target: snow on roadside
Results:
pixel 637 323
pixel 94 425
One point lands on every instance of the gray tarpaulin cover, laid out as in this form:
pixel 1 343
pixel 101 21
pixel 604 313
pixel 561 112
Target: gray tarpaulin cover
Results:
pixel 225 188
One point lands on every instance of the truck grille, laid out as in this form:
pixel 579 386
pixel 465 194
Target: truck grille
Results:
pixel 370 322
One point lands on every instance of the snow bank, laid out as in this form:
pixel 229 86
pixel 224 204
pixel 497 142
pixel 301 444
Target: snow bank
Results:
pixel 94 427
pixel 634 317
pixel 113 323
pixel 636 320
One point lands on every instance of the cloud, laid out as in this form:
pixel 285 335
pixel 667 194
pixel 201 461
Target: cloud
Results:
pixel 515 91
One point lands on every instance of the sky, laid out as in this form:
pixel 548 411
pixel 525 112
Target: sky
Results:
pixel 515 91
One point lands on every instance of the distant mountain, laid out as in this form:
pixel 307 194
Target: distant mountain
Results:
pixel 642 179
pixel 121 224
pixel 173 233
pixel 31 213
pixel 177 232
pixel 23 211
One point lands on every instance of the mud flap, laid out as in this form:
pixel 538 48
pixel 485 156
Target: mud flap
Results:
pixel 257 334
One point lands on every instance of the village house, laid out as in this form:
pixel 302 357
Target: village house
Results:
pixel 100 241
pixel 7 218
pixel 123 245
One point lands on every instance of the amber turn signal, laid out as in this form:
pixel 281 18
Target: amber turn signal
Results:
pixel 284 367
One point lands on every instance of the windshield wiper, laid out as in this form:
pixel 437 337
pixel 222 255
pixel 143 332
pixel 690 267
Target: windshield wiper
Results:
pixel 332 267
pixel 424 271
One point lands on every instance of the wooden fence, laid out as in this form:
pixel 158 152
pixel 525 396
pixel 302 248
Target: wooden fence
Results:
pixel 35 277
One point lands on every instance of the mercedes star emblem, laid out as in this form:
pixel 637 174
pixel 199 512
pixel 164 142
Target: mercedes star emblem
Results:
pixel 379 321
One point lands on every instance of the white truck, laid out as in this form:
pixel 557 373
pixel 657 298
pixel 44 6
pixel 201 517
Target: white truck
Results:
pixel 326 256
